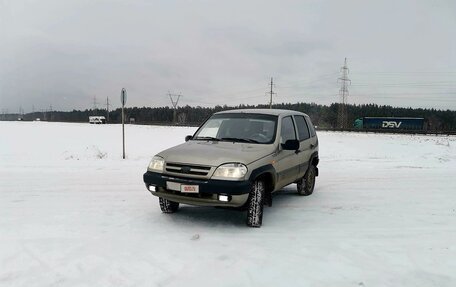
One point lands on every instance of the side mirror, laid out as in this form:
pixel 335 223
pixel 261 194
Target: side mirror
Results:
pixel 291 145
pixel 187 138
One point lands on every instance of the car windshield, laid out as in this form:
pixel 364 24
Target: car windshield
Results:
pixel 239 127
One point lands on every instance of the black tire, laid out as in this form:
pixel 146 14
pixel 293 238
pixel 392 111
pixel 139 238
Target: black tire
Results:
pixel 306 184
pixel 168 206
pixel 256 204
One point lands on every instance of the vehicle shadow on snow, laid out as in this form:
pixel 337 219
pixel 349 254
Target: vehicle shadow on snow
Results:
pixel 286 197
pixel 213 216
pixel 207 216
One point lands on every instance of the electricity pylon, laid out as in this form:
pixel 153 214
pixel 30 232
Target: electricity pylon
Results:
pixel 343 95
pixel 174 101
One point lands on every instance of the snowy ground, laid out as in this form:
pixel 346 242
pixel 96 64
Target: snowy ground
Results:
pixel 73 213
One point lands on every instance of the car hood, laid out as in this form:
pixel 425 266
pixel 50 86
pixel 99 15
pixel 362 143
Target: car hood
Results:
pixel 213 153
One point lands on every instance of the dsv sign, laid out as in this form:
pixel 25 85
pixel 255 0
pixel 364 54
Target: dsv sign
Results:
pixel 391 124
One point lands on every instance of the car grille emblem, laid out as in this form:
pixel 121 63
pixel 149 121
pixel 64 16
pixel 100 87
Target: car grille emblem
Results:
pixel 185 169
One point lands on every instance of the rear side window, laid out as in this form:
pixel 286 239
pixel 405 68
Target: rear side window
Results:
pixel 288 130
pixel 303 130
pixel 311 128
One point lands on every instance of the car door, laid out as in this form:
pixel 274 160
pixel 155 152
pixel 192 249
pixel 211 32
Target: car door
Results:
pixel 287 161
pixel 305 144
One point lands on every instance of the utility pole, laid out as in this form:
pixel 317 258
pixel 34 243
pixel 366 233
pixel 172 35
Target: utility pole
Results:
pixel 95 103
pixel 123 101
pixel 107 109
pixel 4 114
pixel 343 95
pixel 271 93
pixel 174 101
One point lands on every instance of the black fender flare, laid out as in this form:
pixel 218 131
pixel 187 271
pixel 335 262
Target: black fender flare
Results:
pixel 263 170
pixel 314 159
pixel 270 173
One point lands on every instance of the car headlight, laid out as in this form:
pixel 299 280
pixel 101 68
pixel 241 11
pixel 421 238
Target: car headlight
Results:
pixel 230 171
pixel 156 164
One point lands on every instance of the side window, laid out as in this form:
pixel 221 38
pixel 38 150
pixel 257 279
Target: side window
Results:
pixel 311 128
pixel 288 130
pixel 303 130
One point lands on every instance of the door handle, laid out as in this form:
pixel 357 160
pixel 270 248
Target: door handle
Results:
pixel 312 145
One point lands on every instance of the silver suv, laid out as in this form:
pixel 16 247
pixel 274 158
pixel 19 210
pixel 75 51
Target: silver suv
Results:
pixel 237 158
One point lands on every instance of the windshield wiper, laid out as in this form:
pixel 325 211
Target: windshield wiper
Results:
pixel 206 138
pixel 240 140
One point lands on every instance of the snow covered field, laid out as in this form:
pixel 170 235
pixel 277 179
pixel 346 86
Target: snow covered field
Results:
pixel 73 213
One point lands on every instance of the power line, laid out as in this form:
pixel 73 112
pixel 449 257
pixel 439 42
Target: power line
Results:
pixel 307 82
pixel 407 84
pixel 406 72
pixel 236 94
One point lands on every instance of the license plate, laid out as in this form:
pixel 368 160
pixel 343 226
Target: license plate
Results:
pixel 173 186
pixel 189 188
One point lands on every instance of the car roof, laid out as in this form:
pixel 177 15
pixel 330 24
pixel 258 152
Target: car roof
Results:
pixel 275 112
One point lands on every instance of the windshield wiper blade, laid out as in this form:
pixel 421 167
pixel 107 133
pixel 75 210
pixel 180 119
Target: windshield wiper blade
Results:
pixel 239 140
pixel 206 138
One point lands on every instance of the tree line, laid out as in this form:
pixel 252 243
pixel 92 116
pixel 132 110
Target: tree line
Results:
pixel 323 116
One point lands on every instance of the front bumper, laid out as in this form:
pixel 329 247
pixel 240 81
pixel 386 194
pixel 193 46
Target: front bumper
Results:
pixel 209 190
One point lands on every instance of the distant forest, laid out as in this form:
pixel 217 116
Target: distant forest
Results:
pixel 323 116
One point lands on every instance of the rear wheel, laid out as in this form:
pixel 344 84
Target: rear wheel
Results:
pixel 168 206
pixel 256 204
pixel 306 184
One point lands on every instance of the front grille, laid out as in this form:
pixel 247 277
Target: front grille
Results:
pixel 188 169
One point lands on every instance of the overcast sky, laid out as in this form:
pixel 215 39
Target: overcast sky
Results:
pixel 65 53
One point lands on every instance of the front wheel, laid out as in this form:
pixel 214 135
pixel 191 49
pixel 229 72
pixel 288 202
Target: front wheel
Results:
pixel 168 206
pixel 306 184
pixel 256 204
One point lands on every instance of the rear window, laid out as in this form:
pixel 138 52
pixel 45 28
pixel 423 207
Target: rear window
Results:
pixel 303 130
pixel 311 128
